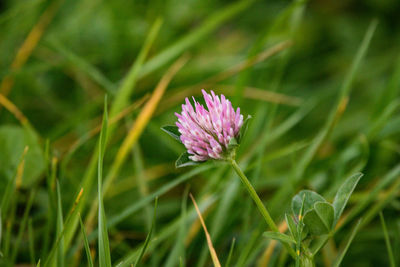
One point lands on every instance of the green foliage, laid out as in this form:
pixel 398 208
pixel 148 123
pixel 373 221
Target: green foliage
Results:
pixel 320 217
pixel 324 108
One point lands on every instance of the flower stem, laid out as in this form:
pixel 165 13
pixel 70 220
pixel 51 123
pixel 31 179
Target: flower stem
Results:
pixel 263 210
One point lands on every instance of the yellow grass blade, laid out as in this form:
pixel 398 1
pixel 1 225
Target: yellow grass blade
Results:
pixel 214 256
pixel 29 45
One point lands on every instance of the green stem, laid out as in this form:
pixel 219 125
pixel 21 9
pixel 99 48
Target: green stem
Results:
pixel 259 204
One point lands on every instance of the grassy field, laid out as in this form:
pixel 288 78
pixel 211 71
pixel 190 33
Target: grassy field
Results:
pixel 88 177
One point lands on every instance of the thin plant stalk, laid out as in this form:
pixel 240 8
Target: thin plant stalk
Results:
pixel 263 210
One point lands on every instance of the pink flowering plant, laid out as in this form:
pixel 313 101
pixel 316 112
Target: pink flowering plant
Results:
pixel 214 134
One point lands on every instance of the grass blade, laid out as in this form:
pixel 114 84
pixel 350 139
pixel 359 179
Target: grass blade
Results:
pixel 387 241
pixel 60 228
pixel 178 250
pixel 22 226
pixel 214 256
pixel 344 250
pixel 71 217
pixel 31 238
pixel 104 246
pixel 228 260
pixel 86 242
pixel 147 241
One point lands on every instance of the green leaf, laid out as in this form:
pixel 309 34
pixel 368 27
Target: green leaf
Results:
pixel 310 198
pixel 314 223
pixel 86 242
pixel 343 195
pixel 173 131
pixel 326 212
pixel 13 140
pixel 319 219
pixel 184 161
pixel 279 236
pixel 243 129
pixel 292 226
pixel 104 246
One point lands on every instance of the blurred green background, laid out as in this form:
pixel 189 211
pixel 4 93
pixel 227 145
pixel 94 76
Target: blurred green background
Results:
pixel 324 105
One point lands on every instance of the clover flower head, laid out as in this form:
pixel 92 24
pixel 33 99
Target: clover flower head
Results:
pixel 206 132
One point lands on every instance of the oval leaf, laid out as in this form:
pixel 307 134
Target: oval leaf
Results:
pixel 314 223
pixel 13 140
pixel 343 195
pixel 326 212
